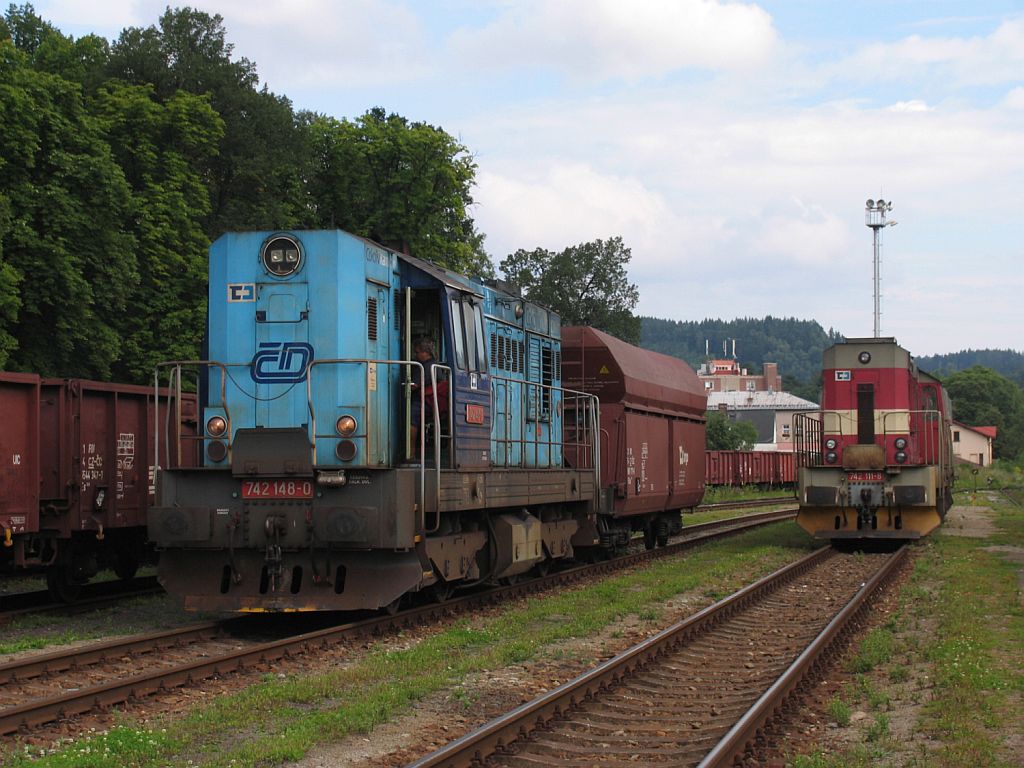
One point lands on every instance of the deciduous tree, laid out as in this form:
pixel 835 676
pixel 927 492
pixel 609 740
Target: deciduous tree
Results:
pixel 405 184
pixel 586 283
pixel 725 434
pixel 983 398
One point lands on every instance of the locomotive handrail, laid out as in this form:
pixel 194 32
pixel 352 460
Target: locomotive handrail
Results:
pixel 437 441
pixel 174 391
pixel 812 427
pixel 586 420
pixel 421 464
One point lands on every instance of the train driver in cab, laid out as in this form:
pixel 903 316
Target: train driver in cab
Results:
pixel 423 352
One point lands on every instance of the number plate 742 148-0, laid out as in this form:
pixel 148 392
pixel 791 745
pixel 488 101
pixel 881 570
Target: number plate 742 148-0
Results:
pixel 865 477
pixel 277 489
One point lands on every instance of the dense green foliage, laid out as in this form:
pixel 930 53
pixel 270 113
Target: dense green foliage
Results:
pixel 725 434
pixel 586 284
pixel 404 184
pixel 120 162
pixel 796 345
pixel 1007 362
pixel 983 398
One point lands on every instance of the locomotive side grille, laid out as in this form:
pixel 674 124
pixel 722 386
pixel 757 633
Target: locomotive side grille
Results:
pixel 399 307
pixel 371 318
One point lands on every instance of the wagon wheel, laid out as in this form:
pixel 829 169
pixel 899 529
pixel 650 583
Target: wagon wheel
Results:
pixel 441 591
pixel 649 536
pixel 126 565
pixel 393 607
pixel 63 586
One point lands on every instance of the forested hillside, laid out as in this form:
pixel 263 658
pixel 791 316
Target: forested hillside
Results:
pixel 796 345
pixel 1007 362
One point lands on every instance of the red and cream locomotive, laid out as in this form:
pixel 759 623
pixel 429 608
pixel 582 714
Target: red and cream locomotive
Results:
pixel 876 461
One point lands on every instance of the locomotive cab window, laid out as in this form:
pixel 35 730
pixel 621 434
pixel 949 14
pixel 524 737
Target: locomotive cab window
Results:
pixel 865 414
pixel 468 334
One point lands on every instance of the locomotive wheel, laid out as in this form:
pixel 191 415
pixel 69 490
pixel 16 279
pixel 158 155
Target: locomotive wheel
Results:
pixel 62 584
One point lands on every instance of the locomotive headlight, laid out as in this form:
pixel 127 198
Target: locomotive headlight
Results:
pixel 831 457
pixel 831 444
pixel 216 426
pixel 281 256
pixel 346 450
pixel 900 457
pixel 346 425
pixel 216 450
pixel 901 443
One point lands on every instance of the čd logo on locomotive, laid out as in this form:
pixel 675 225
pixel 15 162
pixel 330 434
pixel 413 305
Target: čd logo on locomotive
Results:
pixel 281 362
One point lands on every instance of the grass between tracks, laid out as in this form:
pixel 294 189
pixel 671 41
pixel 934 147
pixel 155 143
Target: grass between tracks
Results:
pixel 949 662
pixel 281 720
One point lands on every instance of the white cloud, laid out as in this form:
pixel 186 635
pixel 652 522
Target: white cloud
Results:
pixel 914 105
pixel 1014 99
pixel 993 59
pixel 106 18
pixel 569 204
pixel 325 44
pixel 599 39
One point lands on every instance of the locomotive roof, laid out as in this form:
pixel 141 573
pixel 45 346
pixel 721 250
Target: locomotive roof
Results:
pixel 884 351
pixel 618 372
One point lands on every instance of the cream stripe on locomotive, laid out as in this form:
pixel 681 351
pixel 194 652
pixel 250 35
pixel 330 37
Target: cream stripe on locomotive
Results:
pixel 894 421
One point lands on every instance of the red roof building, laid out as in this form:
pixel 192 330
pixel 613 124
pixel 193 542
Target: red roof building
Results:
pixel 973 444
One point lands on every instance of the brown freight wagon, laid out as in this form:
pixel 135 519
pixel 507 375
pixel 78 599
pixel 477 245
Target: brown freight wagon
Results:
pixel 77 476
pixel 766 469
pixel 652 430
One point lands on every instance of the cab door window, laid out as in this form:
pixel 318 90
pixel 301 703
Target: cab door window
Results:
pixel 468 334
pixel 457 337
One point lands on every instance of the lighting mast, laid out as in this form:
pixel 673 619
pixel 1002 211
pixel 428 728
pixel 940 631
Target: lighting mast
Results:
pixel 874 217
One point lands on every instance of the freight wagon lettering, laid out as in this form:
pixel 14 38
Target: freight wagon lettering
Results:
pixel 17 459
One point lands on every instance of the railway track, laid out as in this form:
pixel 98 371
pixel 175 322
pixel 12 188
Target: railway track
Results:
pixel 42 689
pixel 98 595
pixel 101 594
pixel 697 694
pixel 747 503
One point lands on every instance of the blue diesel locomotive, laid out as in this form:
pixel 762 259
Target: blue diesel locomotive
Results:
pixel 340 469
pixel 317 490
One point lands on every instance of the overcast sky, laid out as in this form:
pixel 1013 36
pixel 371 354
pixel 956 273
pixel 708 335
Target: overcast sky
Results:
pixel 731 144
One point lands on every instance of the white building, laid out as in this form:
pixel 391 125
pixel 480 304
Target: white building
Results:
pixel 973 444
pixel 771 413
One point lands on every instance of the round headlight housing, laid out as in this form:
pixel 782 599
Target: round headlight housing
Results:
pixel 864 357
pixel 831 443
pixel 346 425
pixel 281 256
pixel 345 450
pixel 831 457
pixel 901 457
pixel 216 426
pixel 217 450
pixel 901 443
